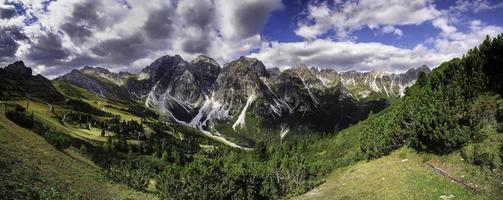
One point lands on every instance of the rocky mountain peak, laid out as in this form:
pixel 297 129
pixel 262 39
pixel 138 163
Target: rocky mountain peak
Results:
pixel 251 63
pixel 18 67
pixel 17 82
pixel 377 73
pixel 161 67
pixel 204 59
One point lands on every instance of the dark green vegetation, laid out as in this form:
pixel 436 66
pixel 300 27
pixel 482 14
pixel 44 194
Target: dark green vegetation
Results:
pixel 455 112
pixel 17 82
pixel 445 110
pixel 334 113
pixel 32 168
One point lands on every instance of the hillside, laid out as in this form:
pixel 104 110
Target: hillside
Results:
pixel 405 174
pixel 31 168
pixel 450 120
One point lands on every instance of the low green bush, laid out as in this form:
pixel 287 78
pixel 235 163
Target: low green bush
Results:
pixel 484 156
pixel 19 117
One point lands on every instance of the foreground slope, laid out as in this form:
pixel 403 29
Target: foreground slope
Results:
pixel 31 168
pixel 406 175
pixel 452 118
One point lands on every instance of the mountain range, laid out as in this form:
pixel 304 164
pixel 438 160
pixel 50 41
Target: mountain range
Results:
pixel 219 100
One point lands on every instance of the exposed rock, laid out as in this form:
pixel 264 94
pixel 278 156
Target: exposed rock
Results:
pixel 16 82
pixel 96 81
pixel 18 68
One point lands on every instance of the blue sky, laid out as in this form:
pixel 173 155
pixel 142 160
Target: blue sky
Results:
pixel 55 36
pixel 282 24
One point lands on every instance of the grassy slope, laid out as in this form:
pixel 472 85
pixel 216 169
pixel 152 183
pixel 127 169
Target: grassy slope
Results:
pixel 404 175
pixel 42 113
pixel 390 178
pixel 92 99
pixel 29 162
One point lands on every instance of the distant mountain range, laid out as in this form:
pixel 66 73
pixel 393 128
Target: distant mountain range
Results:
pixel 220 100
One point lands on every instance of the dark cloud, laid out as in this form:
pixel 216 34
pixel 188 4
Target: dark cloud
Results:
pixel 196 45
pixel 84 18
pixel 103 32
pixel 159 24
pixel 201 15
pixel 7 13
pixel 47 49
pixel 122 51
pixel 251 18
pixel 8 46
pixel 8 42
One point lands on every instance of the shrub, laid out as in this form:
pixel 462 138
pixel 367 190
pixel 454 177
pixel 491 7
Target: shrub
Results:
pixel 49 193
pixel 484 156
pixel 58 140
pixel 499 115
pixel 382 135
pixel 83 148
pixel 20 118
pixel 467 153
pixel 499 128
pixel 501 152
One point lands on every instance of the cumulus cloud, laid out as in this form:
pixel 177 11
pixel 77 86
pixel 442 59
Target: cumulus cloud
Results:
pixel 128 34
pixel 347 55
pixel 350 55
pixel 10 32
pixel 344 18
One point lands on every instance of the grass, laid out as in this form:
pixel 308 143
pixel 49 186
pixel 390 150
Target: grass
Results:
pixel 103 104
pixel 29 164
pixel 42 113
pixel 403 175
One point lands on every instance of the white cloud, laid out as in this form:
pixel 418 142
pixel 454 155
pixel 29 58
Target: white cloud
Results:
pixel 393 30
pixel 475 6
pixel 347 17
pixel 347 55
pixel 350 55
pixel 457 43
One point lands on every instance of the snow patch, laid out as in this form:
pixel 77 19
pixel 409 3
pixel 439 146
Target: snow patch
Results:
pixel 315 100
pixel 284 130
pixel 143 76
pixel 240 122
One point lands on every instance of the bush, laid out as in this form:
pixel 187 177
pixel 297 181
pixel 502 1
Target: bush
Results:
pixel 483 156
pixel 467 153
pixel 499 115
pixel 83 148
pixel 382 135
pixel 20 118
pixel 58 140
pixel 135 174
pixel 499 128
pixel 49 193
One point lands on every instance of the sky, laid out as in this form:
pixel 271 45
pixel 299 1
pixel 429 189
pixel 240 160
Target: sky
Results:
pixel 56 36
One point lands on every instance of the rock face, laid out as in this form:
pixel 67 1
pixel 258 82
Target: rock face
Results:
pixel 99 81
pixel 378 83
pixel 174 86
pixel 241 80
pixel 116 78
pixel 17 82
